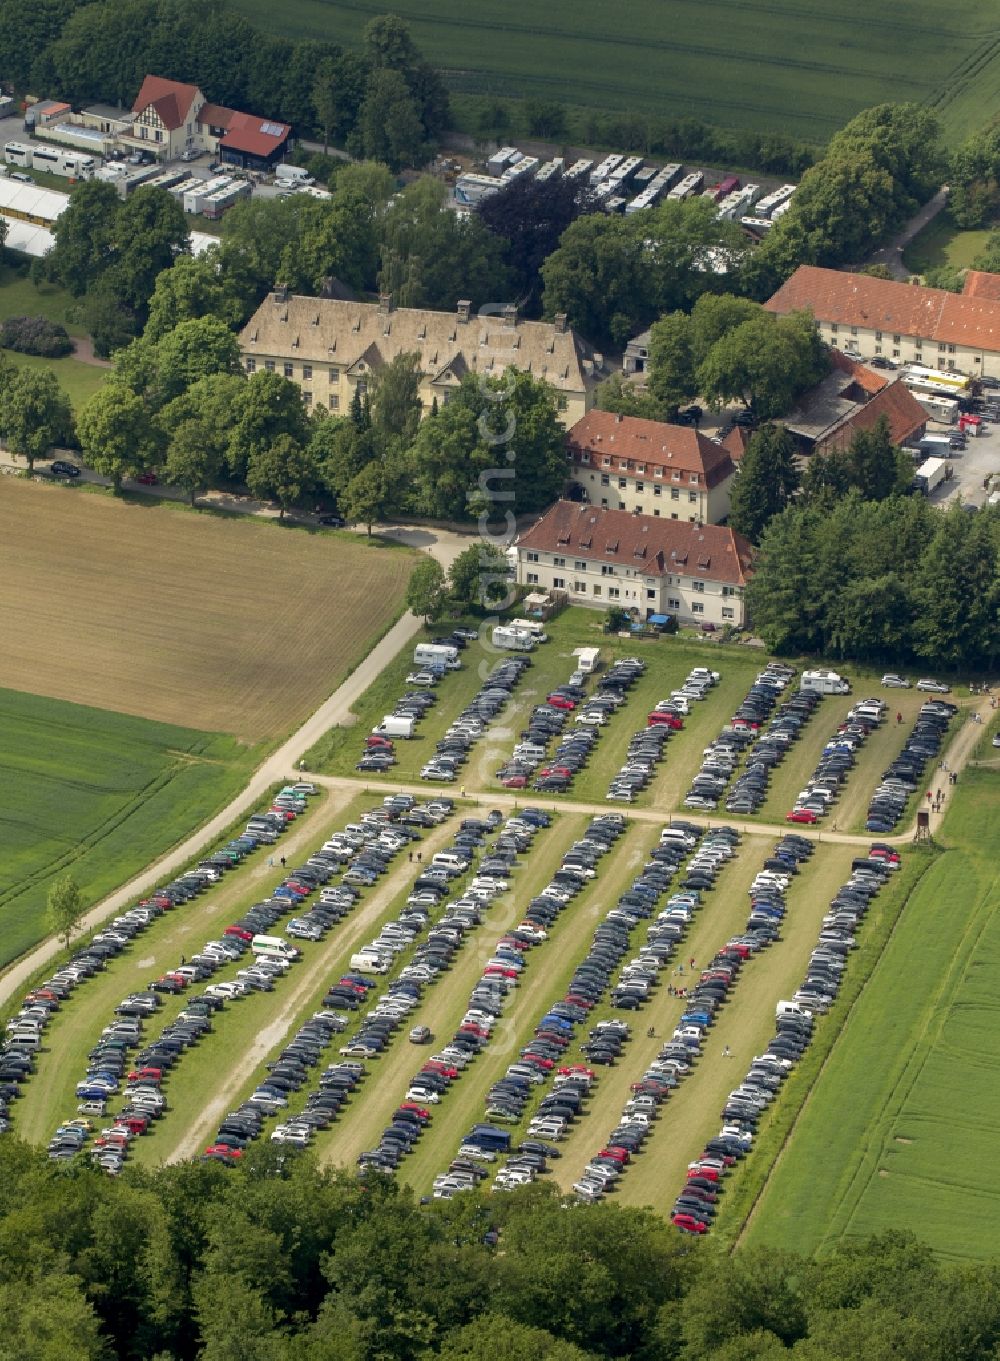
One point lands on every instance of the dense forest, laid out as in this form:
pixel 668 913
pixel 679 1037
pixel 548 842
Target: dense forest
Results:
pixel 279 1261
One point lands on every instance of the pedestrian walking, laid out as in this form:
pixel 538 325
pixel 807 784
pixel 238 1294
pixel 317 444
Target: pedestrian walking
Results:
pixel 183 959
pixel 691 963
pixel 940 795
pixel 302 763
pixel 270 862
pixel 420 856
pixel 411 857
pixel 727 1053
pixel 651 1034
pixel 899 717
pixel 282 862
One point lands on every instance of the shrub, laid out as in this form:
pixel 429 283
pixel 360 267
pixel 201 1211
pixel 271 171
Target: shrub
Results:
pixel 35 335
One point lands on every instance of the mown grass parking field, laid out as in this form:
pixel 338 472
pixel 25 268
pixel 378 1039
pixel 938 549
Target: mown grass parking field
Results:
pixel 227 624
pixel 98 795
pixel 773 65
pixel 900 1128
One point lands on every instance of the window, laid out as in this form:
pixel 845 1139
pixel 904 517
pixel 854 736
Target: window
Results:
pixel 697 586
pixel 532 578
pixel 942 348
pixel 605 462
pixel 558 562
pixel 159 135
pixel 585 456
pixel 676 477
pixel 604 502
pixel 673 515
pixel 251 365
pixel 657 472
pixel 559 583
pixel 834 328
pixel 657 491
pixel 597 589
pixel 307 398
pixel 878 349
pixel 656 510
pixel 334 375
pixel 854 330
pixel 693 497
pixel 693 479
pixel 307 370
pixel 674 494
pixel 269 365
pixel 580 587
pixel 288 370
pixel 561 403
pixel 605 480
pixel 579 567
pixel 878 335
pixel 895 340
pixel 673 603
pixel 650 595
pixel 622 483
pixel 532 557
pixel 951 363
pixel 640 486
pixel 895 354
pixel 613 593
pixel 362 390
pixel 951 349
pixel 728 590
pixel 639 510
pixel 333 401
pixel 621 505
pixel 697 608
pixel 607 570
pixel 728 614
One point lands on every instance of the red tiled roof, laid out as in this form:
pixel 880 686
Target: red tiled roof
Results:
pixel 867 379
pixel 171 99
pixel 650 444
pixel 216 115
pixel 735 443
pixel 646 543
pixel 896 402
pixel 247 133
pixel 980 284
pixel 883 305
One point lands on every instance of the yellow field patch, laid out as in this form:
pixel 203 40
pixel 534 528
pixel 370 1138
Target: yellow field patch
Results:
pixel 230 625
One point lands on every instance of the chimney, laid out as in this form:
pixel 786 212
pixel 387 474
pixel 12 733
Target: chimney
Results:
pixel 384 304
pixel 510 314
pixel 464 310
pixel 280 292
pixel 560 323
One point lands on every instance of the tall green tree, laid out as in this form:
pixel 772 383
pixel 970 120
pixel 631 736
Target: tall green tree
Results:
pixel 35 414
pixel 479 577
pixel 366 497
pixel 766 481
pixel 85 237
pixel 425 593
pixel 389 127
pixel 116 433
pixel 395 398
pixel 268 406
pixel 64 908
pixel 192 288
pixel 878 469
pixel 282 470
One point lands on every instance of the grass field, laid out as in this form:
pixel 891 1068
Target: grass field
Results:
pixel 773 65
pixel 97 794
pixel 942 243
pixel 221 623
pixel 19 297
pixel 900 1127
pixel 78 380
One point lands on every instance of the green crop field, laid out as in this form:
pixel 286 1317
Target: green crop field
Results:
pixel 899 1128
pixel 773 65
pixel 97 794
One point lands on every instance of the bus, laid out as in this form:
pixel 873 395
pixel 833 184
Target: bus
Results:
pixel 71 165
pixel 935 382
pixel 16 153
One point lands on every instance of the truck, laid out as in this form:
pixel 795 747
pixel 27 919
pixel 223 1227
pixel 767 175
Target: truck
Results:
pixel 292 176
pixel 396 725
pixel 824 683
pixel 931 474
pixel 434 654
pixel 531 626
pixel 517 640
pixel 274 947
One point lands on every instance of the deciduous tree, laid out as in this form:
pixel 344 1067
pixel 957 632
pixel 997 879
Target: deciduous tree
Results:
pixel 64 908
pixel 425 593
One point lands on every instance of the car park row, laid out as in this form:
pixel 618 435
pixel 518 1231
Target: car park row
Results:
pixel 697 1202
pixel 836 761
pixel 702 1000
pixel 765 747
pixel 903 777
pixel 109 1059
pixel 553 773
pixel 471 724
pixel 645 749
pixel 433 1078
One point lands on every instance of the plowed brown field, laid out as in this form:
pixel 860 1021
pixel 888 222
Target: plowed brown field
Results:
pixel 227 625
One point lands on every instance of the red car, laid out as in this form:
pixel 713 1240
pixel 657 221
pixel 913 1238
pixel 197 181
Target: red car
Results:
pixel 515 782
pixel 557 770
pixel 559 702
pixel 375 740
pixel 135 1124
pixel 578 1070
pixel 224 1150
pixel 538 1061
pixel 616 1153
pixel 148 479
pixel 661 720
pixel 436 1066
pixel 688 1223
pixel 801 815
pixel 145 1075
pixel 421 1112
pixel 708 1173
pixel 499 971
pixel 576 1000
pixel 285 813
pixel 240 932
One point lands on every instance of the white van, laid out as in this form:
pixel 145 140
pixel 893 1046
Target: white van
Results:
pixel 792 1009
pixel 434 654
pixel 275 947
pixel 824 683
pixel 370 962
pixel 530 626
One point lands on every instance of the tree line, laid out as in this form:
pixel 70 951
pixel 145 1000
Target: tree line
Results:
pixel 279 1261
pixel 384 101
